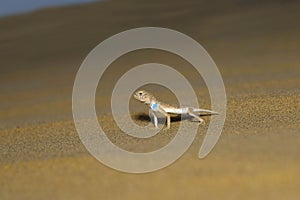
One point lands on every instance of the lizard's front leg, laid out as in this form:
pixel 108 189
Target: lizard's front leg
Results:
pixel 167 115
pixel 168 121
pixel 151 113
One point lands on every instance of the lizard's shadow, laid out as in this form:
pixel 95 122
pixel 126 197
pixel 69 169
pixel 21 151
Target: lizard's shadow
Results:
pixel 145 118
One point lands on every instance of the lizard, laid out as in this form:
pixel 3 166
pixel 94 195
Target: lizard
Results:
pixel 166 109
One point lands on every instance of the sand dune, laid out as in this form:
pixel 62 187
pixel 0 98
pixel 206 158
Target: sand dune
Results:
pixel 254 44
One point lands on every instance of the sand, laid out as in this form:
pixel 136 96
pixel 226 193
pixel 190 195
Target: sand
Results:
pixel 255 46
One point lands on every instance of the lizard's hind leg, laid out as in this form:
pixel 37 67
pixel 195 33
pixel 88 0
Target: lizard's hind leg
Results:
pixel 195 116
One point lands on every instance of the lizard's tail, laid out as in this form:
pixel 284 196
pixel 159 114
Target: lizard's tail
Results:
pixel 195 110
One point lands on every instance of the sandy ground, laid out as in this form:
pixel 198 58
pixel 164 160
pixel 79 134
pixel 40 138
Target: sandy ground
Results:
pixel 256 47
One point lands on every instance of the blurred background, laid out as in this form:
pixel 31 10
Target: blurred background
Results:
pixel 254 43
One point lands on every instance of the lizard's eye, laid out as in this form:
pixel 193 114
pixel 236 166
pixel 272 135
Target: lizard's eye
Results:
pixel 140 93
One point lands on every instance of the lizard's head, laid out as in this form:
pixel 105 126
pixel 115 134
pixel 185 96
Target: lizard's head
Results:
pixel 143 96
